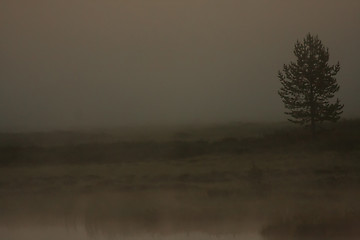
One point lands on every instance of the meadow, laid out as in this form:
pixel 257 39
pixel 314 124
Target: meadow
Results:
pixel 226 178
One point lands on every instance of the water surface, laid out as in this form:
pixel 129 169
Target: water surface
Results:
pixel 80 232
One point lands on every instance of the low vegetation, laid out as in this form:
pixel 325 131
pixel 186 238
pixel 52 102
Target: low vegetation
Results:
pixel 219 178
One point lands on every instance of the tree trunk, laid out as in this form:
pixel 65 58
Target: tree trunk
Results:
pixel 313 127
pixel 312 112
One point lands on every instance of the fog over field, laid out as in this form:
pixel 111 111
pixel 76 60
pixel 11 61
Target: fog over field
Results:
pixel 164 119
pixel 66 64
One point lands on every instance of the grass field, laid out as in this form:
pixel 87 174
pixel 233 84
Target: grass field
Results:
pixel 274 178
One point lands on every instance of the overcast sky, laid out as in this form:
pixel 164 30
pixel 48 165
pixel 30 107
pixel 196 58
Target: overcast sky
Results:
pixel 120 62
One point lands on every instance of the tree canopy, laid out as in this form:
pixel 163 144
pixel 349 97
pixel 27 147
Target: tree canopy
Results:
pixel 309 85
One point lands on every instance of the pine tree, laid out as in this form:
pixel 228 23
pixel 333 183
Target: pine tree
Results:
pixel 309 84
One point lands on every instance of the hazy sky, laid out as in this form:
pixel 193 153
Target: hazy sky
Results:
pixel 118 62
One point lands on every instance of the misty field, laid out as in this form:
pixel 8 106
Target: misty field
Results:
pixel 273 178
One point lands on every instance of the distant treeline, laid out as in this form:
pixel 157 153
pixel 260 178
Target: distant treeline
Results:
pixel 116 152
pixel 344 138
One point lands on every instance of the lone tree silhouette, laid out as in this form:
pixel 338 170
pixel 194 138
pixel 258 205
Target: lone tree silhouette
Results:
pixel 309 84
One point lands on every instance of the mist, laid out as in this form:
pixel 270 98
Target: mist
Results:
pixel 112 63
pixel 161 119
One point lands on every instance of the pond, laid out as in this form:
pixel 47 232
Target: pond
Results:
pixel 80 232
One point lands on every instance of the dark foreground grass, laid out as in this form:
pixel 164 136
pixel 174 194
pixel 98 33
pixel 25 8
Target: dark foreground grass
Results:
pixel 280 181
